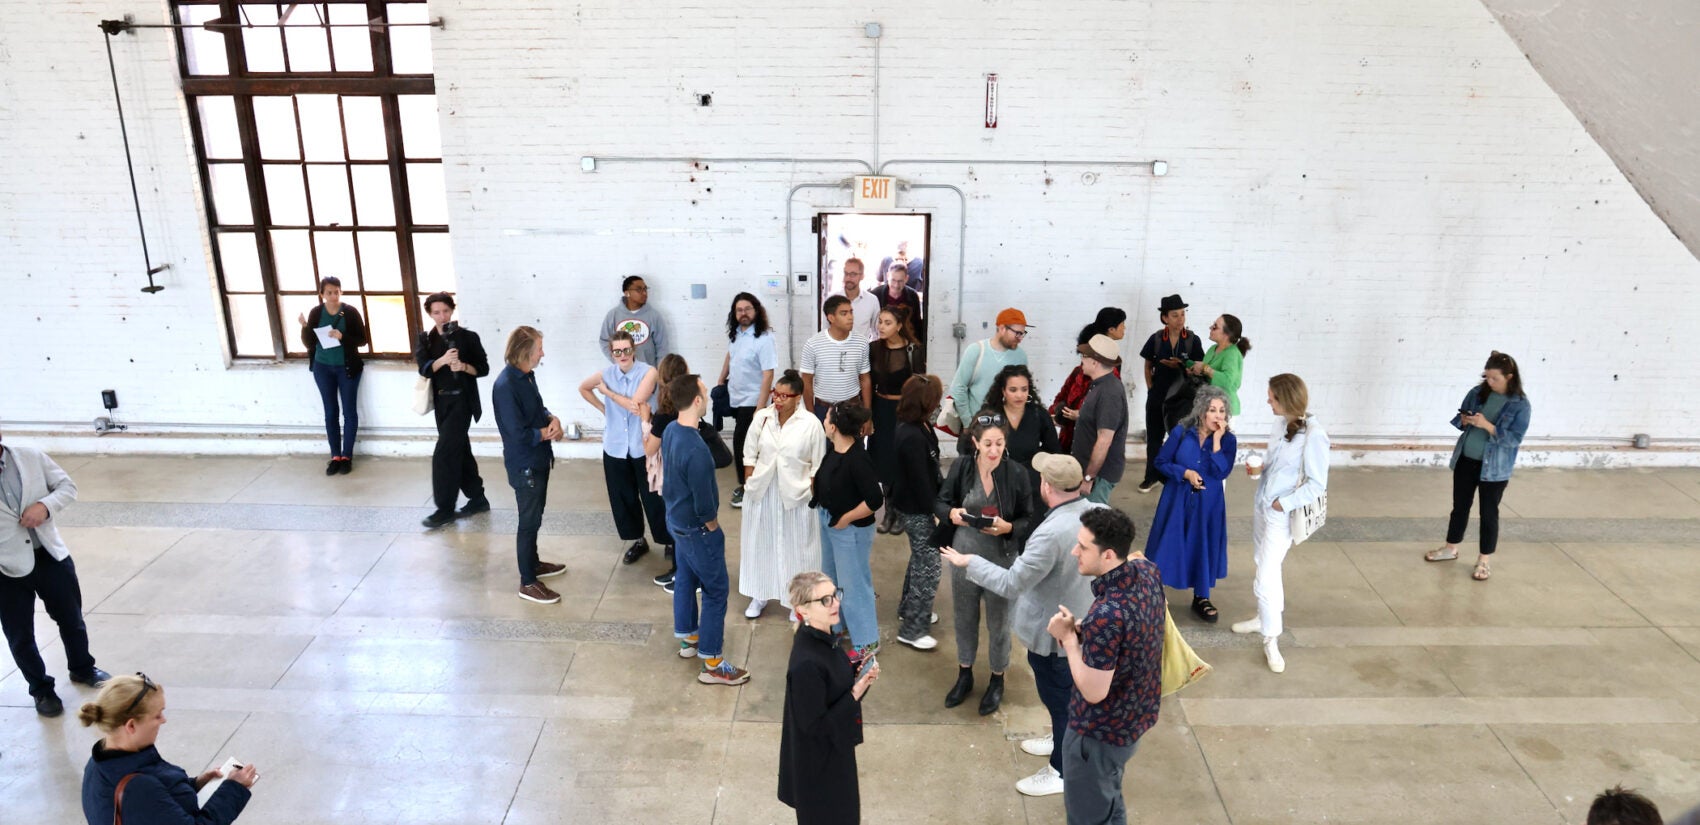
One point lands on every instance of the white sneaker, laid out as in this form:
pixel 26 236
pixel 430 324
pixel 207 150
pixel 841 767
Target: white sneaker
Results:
pixel 935 619
pixel 1047 782
pixel 1272 652
pixel 755 608
pixel 1251 625
pixel 923 643
pixel 1038 746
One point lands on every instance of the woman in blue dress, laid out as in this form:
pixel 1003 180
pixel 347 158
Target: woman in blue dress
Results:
pixel 1189 536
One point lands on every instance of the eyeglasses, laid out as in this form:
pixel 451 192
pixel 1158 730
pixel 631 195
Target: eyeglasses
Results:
pixel 147 685
pixel 1019 333
pixel 621 351
pixel 785 395
pixel 828 600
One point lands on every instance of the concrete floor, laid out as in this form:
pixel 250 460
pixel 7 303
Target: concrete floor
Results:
pixel 379 674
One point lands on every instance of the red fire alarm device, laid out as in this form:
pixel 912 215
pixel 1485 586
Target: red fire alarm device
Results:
pixel 992 101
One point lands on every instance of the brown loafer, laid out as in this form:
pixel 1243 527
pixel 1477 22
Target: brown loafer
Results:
pixel 536 592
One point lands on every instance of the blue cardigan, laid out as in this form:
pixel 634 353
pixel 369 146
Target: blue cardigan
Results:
pixel 161 793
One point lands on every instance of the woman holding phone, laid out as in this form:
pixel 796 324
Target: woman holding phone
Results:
pixel 1492 419
pixel 823 711
pixel 1188 540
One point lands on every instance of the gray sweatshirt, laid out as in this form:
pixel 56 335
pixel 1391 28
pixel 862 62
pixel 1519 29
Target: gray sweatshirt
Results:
pixel 646 328
pixel 1043 576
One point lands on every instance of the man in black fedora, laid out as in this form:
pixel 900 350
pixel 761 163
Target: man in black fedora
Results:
pixel 1167 353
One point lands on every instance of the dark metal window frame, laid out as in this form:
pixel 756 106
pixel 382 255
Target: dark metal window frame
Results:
pixel 242 86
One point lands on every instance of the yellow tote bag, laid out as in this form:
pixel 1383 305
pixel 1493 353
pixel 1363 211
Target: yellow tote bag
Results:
pixel 1181 666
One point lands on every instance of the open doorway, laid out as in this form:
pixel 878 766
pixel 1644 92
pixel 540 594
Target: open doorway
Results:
pixel 895 252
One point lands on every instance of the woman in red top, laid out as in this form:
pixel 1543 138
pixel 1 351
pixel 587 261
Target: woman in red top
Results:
pixel 1111 321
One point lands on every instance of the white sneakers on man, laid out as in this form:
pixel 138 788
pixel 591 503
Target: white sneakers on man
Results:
pixel 1037 746
pixel 755 608
pixel 1047 782
pixel 1272 652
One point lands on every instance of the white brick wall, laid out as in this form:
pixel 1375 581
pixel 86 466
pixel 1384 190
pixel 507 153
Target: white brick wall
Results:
pixel 1383 191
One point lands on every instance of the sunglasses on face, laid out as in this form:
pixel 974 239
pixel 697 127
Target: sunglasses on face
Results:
pixel 621 351
pixel 828 600
pixel 988 420
pixel 147 686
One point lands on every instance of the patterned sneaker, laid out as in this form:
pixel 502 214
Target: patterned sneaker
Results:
pixel 726 674
pixel 687 648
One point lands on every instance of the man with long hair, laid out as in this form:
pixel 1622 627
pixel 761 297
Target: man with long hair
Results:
pixel 747 372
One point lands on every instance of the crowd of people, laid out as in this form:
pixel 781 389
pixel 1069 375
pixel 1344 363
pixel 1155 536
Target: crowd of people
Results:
pixel 825 457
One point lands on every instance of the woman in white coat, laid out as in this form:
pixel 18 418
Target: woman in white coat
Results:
pixel 1294 473
pixel 780 535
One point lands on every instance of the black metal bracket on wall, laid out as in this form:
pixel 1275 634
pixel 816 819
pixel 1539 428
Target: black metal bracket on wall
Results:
pixel 110 28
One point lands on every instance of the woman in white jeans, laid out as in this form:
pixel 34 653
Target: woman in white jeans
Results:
pixel 1294 473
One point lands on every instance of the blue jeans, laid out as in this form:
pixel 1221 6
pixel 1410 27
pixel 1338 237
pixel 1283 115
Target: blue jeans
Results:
pixel 845 557
pixel 1054 682
pixel 701 557
pixel 335 383
pixel 531 491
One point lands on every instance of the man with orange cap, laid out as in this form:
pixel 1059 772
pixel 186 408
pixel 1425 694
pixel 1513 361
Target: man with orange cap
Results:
pixel 982 361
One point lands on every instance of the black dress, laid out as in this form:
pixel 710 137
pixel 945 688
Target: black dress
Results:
pixel 823 726
pixel 890 368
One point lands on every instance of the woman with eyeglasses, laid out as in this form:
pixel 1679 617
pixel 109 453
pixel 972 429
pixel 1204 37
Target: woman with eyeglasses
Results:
pixel 619 392
pixel 892 356
pixel 1493 418
pixel 779 536
pixel 1031 431
pixel 847 493
pixel 1188 539
pixel 986 501
pixel 127 777
pixel 1224 362
pixel 823 710
pixel 1111 322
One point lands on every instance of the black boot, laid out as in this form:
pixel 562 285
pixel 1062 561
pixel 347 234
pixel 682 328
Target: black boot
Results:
pixel 964 686
pixel 993 699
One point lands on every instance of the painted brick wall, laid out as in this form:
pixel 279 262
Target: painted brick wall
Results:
pixel 1382 191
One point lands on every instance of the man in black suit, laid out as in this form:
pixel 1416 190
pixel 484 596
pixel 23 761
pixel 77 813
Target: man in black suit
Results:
pixel 453 358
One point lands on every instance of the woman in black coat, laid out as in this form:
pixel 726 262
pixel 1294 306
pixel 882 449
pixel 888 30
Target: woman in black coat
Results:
pixel 823 712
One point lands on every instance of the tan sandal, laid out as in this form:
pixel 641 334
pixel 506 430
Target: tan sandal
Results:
pixel 1441 554
pixel 1482 570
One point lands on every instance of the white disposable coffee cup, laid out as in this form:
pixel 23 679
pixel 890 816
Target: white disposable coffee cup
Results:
pixel 1254 465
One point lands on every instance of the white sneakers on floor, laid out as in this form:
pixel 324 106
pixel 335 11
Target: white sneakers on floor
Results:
pixel 923 643
pixel 1037 746
pixel 1272 652
pixel 755 608
pixel 1047 782
pixel 935 619
pixel 1251 625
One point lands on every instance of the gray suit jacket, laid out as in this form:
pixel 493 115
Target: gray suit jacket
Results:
pixel 1042 577
pixel 43 481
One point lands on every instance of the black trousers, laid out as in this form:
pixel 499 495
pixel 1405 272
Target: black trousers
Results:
pixel 1466 481
pixel 1157 426
pixel 531 492
pixel 632 502
pixel 55 582
pixel 742 416
pixel 453 468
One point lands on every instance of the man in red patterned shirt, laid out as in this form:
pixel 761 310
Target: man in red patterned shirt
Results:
pixel 1116 657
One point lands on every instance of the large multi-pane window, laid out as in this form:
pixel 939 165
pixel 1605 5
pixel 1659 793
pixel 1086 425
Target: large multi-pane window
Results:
pixel 317 135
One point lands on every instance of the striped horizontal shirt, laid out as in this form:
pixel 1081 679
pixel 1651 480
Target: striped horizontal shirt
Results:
pixel 837 366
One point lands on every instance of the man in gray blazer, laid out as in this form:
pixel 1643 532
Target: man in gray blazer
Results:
pixel 34 562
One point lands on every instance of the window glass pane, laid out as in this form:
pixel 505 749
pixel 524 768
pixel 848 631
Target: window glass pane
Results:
pixel 374 199
pixel 336 257
pixel 380 267
pixel 218 127
pixel 352 47
pixel 308 42
pixel 263 46
pixel 419 132
pixel 328 186
pixel 321 127
pixel 293 258
pixel 410 46
pixel 433 265
pixel 241 259
pixel 230 194
pixel 291 309
pixel 274 122
pixel 252 328
pixel 425 190
pixel 386 318
pixel 287 194
pixel 203 49
pixel 364 118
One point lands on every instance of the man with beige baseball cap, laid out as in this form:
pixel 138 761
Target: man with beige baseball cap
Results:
pixel 1043 576
pixel 1100 430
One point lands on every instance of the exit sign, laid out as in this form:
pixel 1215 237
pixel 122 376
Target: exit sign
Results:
pixel 875 192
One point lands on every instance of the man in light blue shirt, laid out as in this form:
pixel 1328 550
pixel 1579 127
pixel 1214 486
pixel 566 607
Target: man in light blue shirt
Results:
pixel 747 372
pixel 623 468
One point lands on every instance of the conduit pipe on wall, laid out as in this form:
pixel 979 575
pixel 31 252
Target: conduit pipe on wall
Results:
pixel 598 159
pixel 961 250
pixel 790 304
pixel 1121 163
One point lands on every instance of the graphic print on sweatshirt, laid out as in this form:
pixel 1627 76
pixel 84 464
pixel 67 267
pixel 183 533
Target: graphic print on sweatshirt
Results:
pixel 638 329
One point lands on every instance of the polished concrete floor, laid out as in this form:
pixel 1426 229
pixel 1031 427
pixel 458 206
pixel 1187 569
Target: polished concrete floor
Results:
pixel 377 673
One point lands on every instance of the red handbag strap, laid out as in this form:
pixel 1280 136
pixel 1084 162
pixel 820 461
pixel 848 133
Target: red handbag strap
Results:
pixel 118 799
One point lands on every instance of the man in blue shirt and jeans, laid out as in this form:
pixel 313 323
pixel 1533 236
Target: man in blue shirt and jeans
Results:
pixel 693 512
pixel 527 428
pixel 1115 655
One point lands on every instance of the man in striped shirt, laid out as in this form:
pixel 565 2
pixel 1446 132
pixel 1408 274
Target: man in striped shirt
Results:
pixel 835 361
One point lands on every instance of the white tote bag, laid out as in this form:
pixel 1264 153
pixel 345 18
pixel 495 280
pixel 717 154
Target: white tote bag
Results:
pixel 1309 518
pixel 423 398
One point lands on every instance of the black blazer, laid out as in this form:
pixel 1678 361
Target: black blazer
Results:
pixel 1012 490
pixel 915 488
pixel 353 338
pixel 822 727
pixel 431 345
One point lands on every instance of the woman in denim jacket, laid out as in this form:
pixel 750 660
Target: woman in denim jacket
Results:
pixel 1493 417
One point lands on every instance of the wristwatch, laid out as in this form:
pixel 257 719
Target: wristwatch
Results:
pixel 1086 479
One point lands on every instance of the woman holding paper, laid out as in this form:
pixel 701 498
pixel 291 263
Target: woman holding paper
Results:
pixel 333 334
pixel 126 775
pixel 823 711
